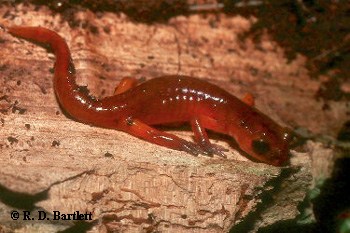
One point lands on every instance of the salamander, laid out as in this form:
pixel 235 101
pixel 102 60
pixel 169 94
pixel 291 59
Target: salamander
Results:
pixel 135 107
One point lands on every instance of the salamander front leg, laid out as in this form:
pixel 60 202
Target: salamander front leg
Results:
pixel 202 139
pixel 147 133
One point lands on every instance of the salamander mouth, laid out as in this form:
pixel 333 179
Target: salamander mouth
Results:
pixel 279 158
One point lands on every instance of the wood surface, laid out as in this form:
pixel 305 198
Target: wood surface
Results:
pixel 58 164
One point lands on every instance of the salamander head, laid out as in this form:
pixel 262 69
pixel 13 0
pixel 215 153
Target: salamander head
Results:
pixel 265 142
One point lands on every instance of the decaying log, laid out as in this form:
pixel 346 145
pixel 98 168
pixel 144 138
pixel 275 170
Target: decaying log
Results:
pixel 53 163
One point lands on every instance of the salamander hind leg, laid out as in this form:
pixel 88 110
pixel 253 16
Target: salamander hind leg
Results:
pixel 125 84
pixel 147 133
pixel 202 139
pixel 249 99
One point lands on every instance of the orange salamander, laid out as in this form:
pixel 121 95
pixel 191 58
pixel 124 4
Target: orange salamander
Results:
pixel 165 100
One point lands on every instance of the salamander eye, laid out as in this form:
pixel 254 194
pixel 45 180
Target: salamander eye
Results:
pixel 260 146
